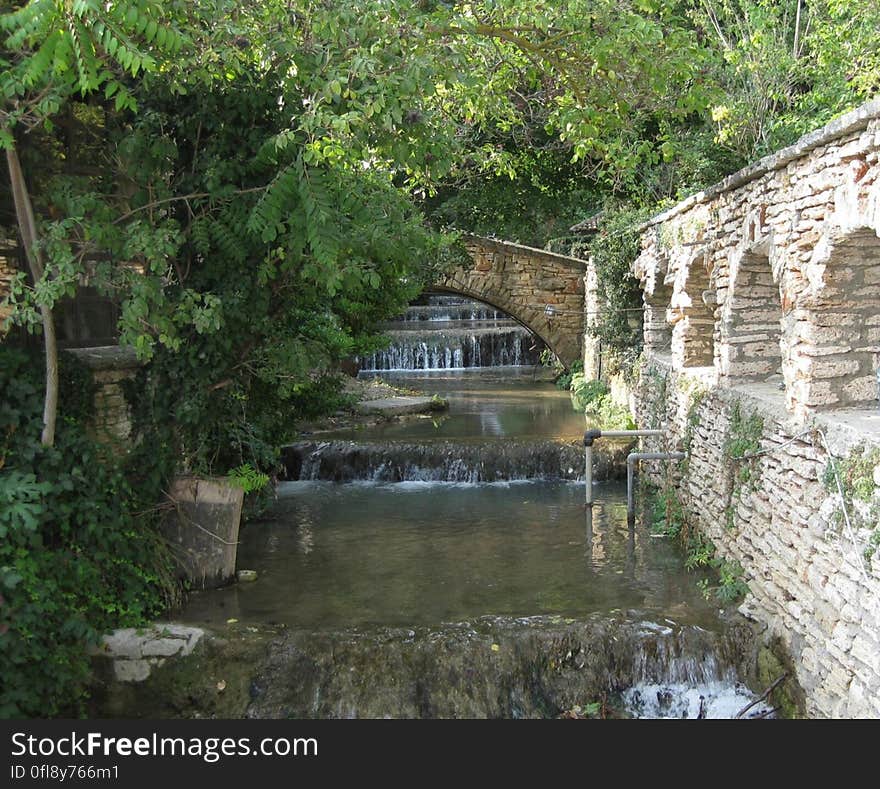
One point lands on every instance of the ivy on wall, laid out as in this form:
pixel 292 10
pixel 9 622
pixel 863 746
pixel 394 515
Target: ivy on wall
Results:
pixel 80 550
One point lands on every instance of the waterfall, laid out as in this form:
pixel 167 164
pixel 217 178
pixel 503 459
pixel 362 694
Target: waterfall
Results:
pixel 443 461
pixel 450 333
pixel 494 667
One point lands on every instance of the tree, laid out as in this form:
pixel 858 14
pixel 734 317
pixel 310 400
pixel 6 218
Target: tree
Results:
pixel 787 67
pixel 53 51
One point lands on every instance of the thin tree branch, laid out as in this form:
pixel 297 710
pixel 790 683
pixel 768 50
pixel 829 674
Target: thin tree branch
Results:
pixel 177 198
pixel 764 696
pixel 24 212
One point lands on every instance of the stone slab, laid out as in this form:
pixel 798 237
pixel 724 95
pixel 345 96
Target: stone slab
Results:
pixel 399 406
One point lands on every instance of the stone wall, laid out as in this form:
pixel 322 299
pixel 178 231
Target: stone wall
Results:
pixel 774 274
pixel 542 290
pixel 594 303
pixel 762 314
pixel 809 580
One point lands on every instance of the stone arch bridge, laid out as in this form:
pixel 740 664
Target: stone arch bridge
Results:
pixel 541 290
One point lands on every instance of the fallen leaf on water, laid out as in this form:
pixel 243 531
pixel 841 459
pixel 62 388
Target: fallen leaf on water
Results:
pixel 495 647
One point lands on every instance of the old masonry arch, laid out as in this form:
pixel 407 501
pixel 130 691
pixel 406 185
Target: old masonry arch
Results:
pixel 543 291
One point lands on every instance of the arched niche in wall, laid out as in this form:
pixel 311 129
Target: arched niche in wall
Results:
pixel 651 268
pixel 657 331
pixel 835 326
pixel 751 323
pixel 689 314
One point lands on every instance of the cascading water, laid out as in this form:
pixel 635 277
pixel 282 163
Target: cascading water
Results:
pixel 445 566
pixel 450 333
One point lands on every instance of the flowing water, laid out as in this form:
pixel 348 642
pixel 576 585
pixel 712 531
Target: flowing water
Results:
pixel 484 404
pixel 458 554
pixel 449 333
pixel 334 556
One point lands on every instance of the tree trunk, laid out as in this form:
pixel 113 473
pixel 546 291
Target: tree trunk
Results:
pixel 24 213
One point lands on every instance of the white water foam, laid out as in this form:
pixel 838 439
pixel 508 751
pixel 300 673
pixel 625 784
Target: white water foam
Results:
pixel 716 700
pixel 291 487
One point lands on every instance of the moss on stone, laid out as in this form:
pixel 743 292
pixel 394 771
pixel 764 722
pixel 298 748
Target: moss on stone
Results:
pixel 773 662
pixel 215 681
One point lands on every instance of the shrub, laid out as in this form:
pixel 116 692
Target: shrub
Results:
pixel 594 399
pixel 77 555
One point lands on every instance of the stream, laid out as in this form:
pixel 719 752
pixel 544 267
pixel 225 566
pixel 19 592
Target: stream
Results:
pixel 445 566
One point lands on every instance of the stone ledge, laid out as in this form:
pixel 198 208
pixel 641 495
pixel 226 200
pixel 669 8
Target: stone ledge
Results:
pixel 853 121
pixel 107 357
pixel 521 249
pixel 403 405
pixel 135 652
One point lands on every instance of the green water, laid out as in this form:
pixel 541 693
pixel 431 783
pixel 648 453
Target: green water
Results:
pixel 486 403
pixel 333 556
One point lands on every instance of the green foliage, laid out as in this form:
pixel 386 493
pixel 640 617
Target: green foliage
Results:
pixel 52 51
pixel 787 68
pixel 668 514
pixel 535 204
pixel 618 324
pixel 594 399
pixel 248 478
pixel 259 215
pixel 693 419
pixel 271 287
pixel 744 433
pixel 75 557
pixel 743 442
pixel 856 475
pixel 563 381
pixel 732 587
pixel 586 394
pixel 700 552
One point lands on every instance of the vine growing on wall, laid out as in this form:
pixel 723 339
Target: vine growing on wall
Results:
pixel 654 387
pixel 670 515
pixel 858 481
pixel 741 452
pixel 618 325
pixel 79 548
pixel 696 395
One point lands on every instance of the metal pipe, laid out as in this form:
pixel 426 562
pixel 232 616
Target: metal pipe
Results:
pixel 594 433
pixel 631 459
pixel 588 471
pixel 628 433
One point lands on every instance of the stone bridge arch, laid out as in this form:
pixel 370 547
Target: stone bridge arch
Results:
pixel 543 291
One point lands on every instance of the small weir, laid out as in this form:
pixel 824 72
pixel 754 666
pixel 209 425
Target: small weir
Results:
pixel 444 461
pixel 446 566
